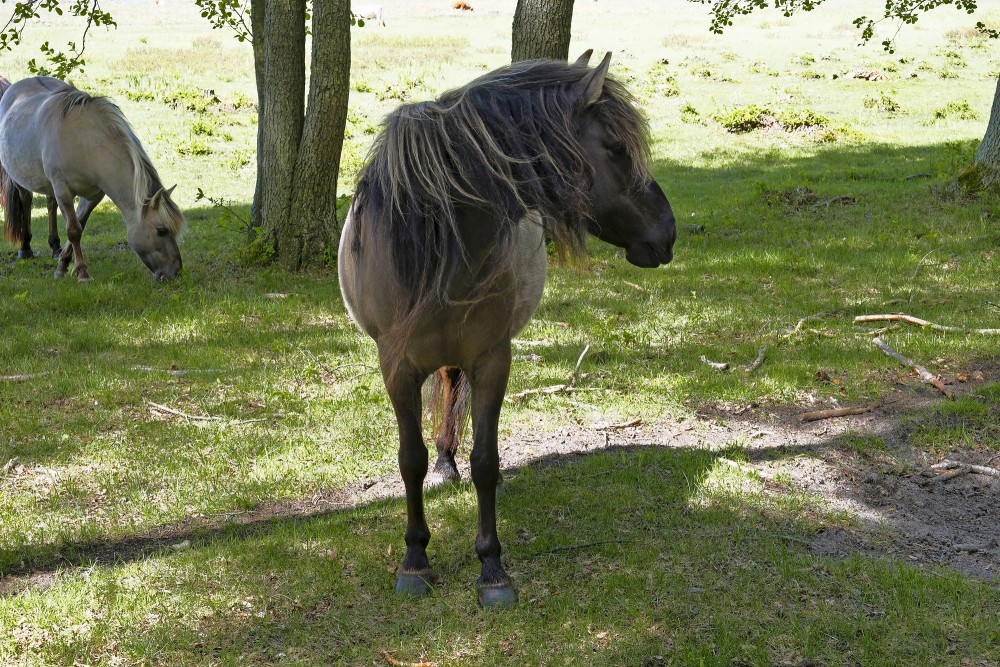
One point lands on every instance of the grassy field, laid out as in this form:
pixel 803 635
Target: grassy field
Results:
pixel 175 456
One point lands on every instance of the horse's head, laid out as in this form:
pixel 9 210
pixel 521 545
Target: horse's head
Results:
pixel 627 207
pixel 154 239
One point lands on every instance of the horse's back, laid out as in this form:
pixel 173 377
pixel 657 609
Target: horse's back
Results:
pixel 47 127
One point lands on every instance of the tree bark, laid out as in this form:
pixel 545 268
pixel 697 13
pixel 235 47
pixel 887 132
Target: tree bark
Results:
pixel 988 155
pixel 541 29
pixel 312 225
pixel 281 108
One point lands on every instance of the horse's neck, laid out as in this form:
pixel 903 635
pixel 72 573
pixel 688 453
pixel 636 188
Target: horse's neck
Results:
pixel 119 186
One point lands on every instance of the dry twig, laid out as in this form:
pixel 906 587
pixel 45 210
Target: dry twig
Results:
pixel 400 663
pixel 916 321
pixel 618 427
pixel 717 365
pixel 553 389
pixel 838 412
pixel 924 374
pixel 755 364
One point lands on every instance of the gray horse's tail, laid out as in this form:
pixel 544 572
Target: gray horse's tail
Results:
pixel 449 406
pixel 16 220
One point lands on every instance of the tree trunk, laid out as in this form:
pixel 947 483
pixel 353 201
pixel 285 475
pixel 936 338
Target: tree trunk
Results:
pixel 257 9
pixel 281 107
pixel 312 225
pixel 541 29
pixel 988 155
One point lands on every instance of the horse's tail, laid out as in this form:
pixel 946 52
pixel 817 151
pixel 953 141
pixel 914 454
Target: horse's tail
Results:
pixel 17 218
pixel 4 85
pixel 449 406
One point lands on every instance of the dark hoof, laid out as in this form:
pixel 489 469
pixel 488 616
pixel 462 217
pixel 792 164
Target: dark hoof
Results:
pixel 56 253
pixel 25 254
pixel 497 597
pixel 414 585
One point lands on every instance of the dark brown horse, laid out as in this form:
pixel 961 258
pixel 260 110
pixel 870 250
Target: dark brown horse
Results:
pixel 442 258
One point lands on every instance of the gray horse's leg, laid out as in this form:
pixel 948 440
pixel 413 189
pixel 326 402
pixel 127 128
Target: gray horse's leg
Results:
pixel 489 383
pixel 451 395
pixel 54 243
pixel 74 232
pixel 83 211
pixel 403 384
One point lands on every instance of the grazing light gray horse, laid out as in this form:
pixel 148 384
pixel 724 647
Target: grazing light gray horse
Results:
pixel 64 143
pixel 442 258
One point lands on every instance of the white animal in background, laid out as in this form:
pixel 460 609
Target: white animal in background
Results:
pixel 369 13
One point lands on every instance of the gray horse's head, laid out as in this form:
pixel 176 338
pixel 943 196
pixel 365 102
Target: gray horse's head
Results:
pixel 155 238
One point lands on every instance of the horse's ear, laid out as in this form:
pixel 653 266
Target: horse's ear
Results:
pixel 157 199
pixel 584 59
pixel 592 85
pixel 170 191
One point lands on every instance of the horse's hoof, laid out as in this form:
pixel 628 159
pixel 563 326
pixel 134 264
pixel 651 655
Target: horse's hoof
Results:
pixel 497 597
pixel 58 274
pixel 83 277
pixel 25 254
pixel 414 585
pixel 436 479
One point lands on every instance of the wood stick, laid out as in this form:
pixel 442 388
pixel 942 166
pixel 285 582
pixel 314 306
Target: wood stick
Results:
pixel 573 547
pixel 400 663
pixel 951 474
pixel 980 470
pixel 924 374
pixel 829 414
pixel 717 365
pixel 553 389
pixel 177 371
pixel 916 321
pixel 618 427
pixel 21 377
pixel 163 408
pixel 755 364
pixel 576 369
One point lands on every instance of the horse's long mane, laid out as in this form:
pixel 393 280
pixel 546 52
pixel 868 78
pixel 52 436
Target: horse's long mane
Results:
pixel 507 144
pixel 146 181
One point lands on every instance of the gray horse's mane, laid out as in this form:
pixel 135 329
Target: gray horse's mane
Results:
pixel 146 181
pixel 504 144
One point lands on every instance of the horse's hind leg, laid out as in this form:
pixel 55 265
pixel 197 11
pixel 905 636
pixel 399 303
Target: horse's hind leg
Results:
pixel 489 383
pixel 403 384
pixel 54 242
pixel 451 391
pixel 74 231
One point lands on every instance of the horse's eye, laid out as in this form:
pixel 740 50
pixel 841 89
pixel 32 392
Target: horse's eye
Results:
pixel 162 231
pixel 617 149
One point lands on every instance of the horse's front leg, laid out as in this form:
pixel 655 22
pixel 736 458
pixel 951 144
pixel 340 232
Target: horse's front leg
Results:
pixel 489 383
pixel 83 211
pixel 74 231
pixel 403 384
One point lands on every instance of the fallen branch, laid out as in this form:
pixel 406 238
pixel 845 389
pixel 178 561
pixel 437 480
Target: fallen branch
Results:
pixel 972 548
pixel 916 321
pixel 21 377
pixel 755 364
pixel 951 474
pixel 574 547
pixel 576 369
pixel 979 470
pixel 798 325
pixel 618 427
pixel 829 414
pixel 163 408
pixel 400 663
pixel 717 365
pixel 554 389
pixel 924 374
pixel 178 372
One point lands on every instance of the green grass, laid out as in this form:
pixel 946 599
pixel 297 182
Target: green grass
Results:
pixel 698 562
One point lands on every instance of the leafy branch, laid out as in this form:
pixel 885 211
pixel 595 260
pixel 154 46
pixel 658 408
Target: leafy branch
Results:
pixel 903 12
pixel 59 64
